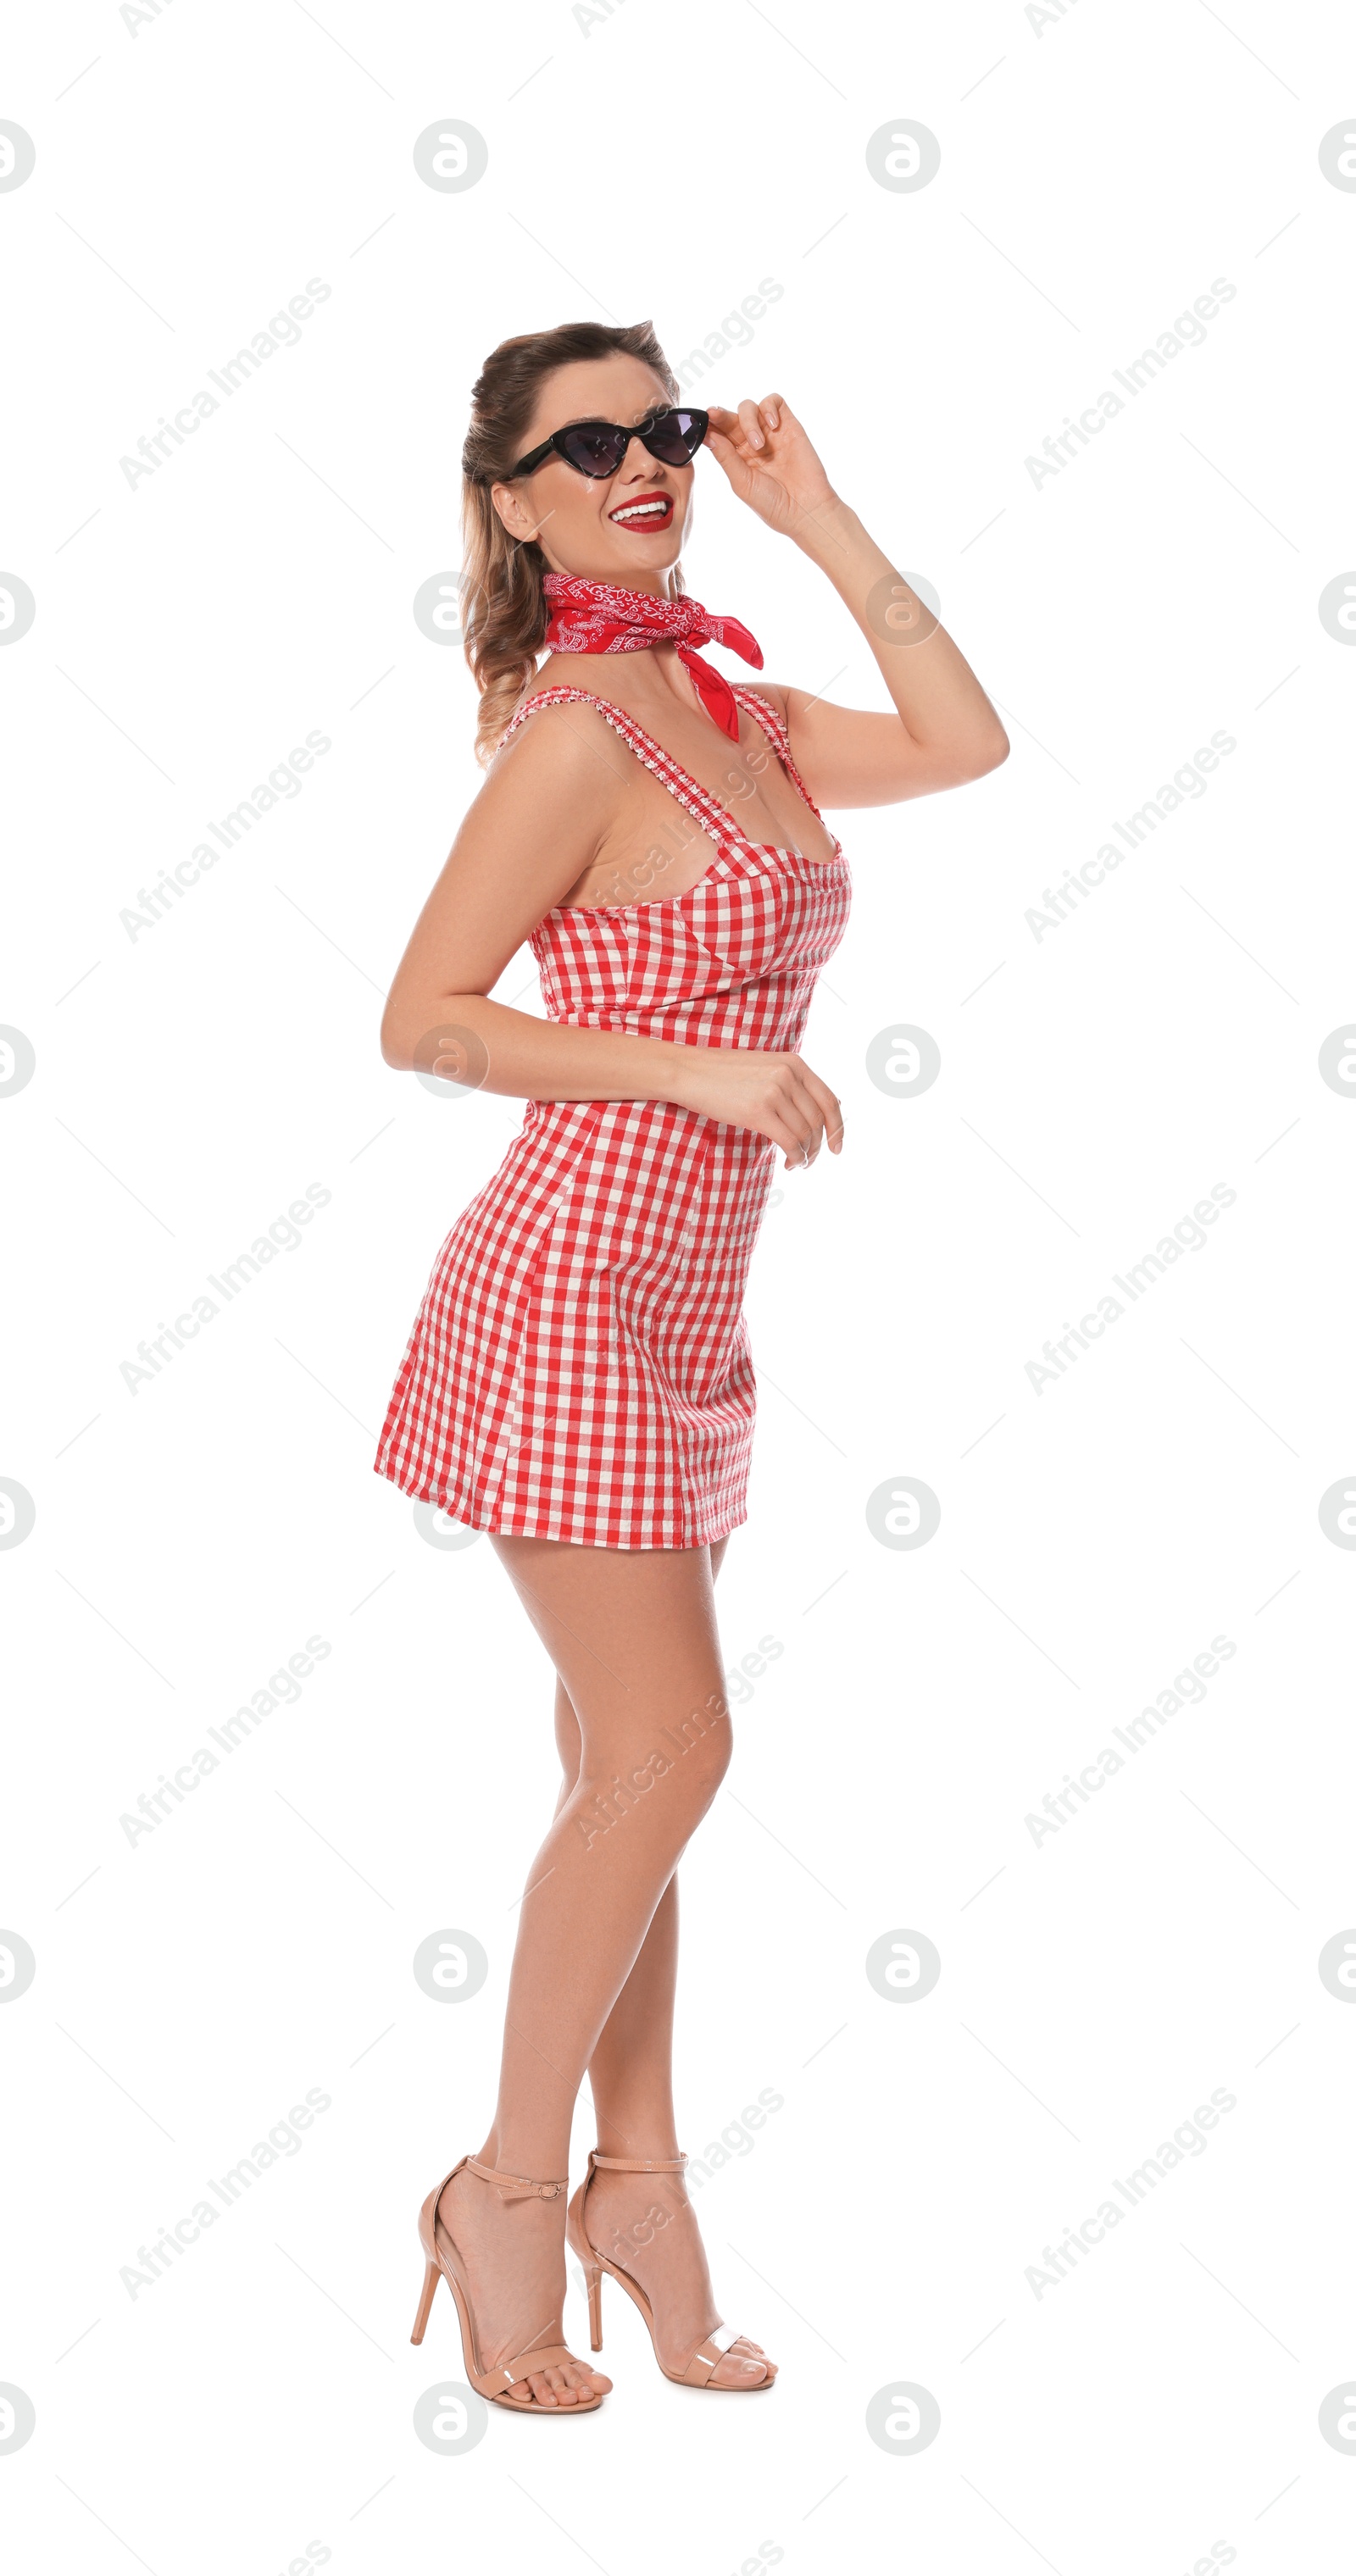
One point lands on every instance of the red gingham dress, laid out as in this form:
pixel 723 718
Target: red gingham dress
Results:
pixel 579 1368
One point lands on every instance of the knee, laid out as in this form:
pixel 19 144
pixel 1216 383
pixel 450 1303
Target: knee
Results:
pixel 569 1747
pixel 671 1784
pixel 700 1767
pixel 712 1755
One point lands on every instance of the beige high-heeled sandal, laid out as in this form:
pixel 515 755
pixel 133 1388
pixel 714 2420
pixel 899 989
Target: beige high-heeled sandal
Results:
pixel 442 2258
pixel 705 2357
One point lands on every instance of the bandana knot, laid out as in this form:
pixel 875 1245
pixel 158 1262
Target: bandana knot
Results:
pixel 597 617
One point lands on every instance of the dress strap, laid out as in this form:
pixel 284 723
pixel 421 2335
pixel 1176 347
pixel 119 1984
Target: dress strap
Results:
pixel 765 715
pixel 687 790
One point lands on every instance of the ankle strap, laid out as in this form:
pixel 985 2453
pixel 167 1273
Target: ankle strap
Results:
pixel 515 2186
pixel 638 2164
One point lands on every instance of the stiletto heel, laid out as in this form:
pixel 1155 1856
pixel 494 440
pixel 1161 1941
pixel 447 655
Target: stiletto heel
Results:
pixel 425 2301
pixel 705 2357
pixel 593 2282
pixel 441 2255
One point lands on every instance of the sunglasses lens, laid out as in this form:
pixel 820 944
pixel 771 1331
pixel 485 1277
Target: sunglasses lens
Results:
pixel 597 447
pixel 676 436
pixel 593 448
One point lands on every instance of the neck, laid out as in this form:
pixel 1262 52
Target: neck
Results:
pixel 644 682
pixel 654 584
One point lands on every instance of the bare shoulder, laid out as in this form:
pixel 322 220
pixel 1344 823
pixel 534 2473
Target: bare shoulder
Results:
pixel 793 705
pixel 775 692
pixel 562 739
pixel 564 757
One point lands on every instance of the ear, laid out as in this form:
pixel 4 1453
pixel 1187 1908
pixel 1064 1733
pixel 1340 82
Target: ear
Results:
pixel 517 518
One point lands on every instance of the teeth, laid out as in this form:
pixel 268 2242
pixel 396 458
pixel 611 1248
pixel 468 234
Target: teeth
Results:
pixel 639 510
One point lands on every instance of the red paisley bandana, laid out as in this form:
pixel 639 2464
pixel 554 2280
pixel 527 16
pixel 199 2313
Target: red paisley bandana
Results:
pixel 596 617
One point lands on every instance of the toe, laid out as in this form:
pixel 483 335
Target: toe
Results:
pixel 740 2370
pixel 566 2384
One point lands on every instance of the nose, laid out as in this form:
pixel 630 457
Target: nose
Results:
pixel 637 461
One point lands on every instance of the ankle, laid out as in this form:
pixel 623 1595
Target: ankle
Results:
pixel 633 2208
pixel 645 2137
pixel 526 2160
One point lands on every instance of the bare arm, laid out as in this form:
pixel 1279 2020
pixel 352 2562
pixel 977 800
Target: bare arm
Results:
pixel 944 730
pixel 535 826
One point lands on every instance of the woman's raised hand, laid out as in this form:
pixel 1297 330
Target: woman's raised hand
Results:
pixel 775 1095
pixel 767 459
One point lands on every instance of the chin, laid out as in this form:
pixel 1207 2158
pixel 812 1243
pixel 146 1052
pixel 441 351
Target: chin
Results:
pixel 646 559
pixel 647 556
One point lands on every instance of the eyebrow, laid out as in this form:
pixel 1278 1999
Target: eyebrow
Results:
pixel 582 419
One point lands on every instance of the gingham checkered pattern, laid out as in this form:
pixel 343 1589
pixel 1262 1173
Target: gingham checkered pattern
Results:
pixel 579 1368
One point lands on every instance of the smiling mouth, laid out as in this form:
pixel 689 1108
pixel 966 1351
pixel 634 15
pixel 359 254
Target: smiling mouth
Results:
pixel 645 515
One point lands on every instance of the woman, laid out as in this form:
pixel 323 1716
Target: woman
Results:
pixel 578 1381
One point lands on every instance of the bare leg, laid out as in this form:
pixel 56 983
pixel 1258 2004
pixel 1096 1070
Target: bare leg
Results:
pixel 631 2079
pixel 631 2069
pixel 632 1634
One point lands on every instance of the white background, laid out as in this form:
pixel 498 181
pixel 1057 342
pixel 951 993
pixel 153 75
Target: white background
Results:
pixel 1096 175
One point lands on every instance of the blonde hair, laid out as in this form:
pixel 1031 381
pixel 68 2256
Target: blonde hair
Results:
pixel 503 606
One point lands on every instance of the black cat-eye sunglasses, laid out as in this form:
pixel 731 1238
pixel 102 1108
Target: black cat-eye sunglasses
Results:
pixel 597 447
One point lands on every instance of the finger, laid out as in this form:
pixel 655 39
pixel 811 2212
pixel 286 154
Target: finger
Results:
pixel 830 1108
pixel 800 1115
pixel 832 1116
pixel 733 428
pixel 828 1100
pixel 772 407
pixel 785 1136
pixel 812 1116
pixel 724 451
pixel 751 424
pixel 809 1096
